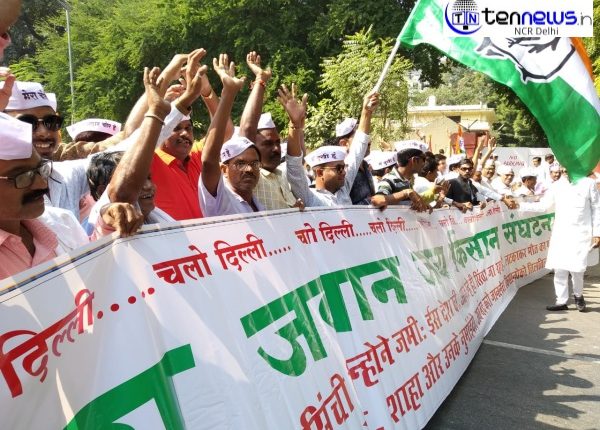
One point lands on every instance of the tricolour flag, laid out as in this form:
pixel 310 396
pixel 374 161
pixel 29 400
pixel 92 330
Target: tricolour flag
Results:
pixel 548 74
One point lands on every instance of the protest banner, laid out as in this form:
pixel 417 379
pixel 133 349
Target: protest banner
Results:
pixel 332 318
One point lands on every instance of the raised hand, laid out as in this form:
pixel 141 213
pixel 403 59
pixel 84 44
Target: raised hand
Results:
pixel 193 78
pixel 123 217
pixel 253 61
pixel 296 109
pixel 370 101
pixel 173 71
pixel 174 91
pixel 157 105
pixel 7 86
pixel 226 72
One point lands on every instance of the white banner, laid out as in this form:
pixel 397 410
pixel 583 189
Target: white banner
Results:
pixel 332 318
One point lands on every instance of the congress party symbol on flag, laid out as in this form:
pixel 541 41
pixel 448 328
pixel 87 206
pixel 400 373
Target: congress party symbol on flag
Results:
pixel 551 76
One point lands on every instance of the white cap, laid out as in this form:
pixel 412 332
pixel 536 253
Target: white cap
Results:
pixel 503 169
pixel 234 147
pixel 94 124
pixel 15 139
pixel 345 127
pixel 325 154
pixel 265 121
pixel 29 95
pixel 382 160
pixel 455 159
pixel 525 172
pixel 403 145
pixel 489 163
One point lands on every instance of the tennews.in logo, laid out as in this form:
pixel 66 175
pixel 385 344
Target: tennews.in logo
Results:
pixel 514 18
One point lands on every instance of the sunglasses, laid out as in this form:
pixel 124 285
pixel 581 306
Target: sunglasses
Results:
pixel 51 122
pixel 338 169
pixel 25 179
pixel 466 169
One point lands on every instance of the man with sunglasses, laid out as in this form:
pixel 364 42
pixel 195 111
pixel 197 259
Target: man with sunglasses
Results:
pixel 335 170
pixel 462 191
pixel 397 186
pixel 25 240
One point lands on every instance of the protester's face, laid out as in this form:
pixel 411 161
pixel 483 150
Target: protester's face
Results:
pixel 442 166
pixel 431 176
pixel 25 203
pixel 489 171
pixel 146 197
pixel 346 141
pixel 268 143
pixel 550 159
pixel 9 12
pixel 477 176
pixel 243 171
pixel 465 171
pixel 507 179
pixel 536 162
pixel 333 175
pixel 416 163
pixel 530 182
pixel 45 140
pixel 555 175
pixel 179 143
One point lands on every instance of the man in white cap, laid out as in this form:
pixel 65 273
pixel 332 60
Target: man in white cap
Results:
pixel 397 186
pixel 503 183
pixel 528 182
pixel 362 188
pixel 24 240
pixel 93 130
pixel 230 170
pixel 453 163
pixel 381 164
pixel 554 175
pixel 273 190
pixel 334 168
pixel 575 236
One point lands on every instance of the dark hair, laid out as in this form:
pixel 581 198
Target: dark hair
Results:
pixel 429 166
pixel 91 136
pixel 100 171
pixel 405 155
pixel 548 156
pixel 537 158
pixel 439 157
pixel 466 161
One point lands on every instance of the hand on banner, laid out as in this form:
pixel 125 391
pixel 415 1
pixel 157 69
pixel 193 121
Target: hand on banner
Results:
pixel 482 205
pixel 123 217
pixel 7 86
pixel 296 109
pixel 509 202
pixel 300 205
pixel 417 202
pixel 595 242
pixel 253 62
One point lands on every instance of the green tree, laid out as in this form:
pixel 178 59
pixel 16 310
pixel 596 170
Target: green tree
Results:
pixel 347 77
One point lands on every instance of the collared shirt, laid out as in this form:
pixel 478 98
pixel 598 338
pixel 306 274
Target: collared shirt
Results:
pixel 226 202
pixel 14 255
pixel 273 190
pixel 362 189
pixel 312 197
pixel 394 182
pixel 177 183
pixel 463 191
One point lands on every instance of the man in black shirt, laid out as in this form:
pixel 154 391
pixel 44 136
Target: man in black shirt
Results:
pixel 462 191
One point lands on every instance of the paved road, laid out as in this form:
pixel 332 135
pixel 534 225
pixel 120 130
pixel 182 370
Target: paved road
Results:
pixel 535 370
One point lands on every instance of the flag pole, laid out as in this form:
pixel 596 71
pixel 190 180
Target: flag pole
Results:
pixel 388 64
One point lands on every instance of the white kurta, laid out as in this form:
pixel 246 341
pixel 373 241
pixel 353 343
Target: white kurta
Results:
pixel 577 220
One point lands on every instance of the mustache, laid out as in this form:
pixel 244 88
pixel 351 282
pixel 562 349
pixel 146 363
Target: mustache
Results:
pixel 30 197
pixel 181 140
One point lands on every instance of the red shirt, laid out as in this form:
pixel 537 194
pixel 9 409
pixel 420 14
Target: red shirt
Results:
pixel 176 186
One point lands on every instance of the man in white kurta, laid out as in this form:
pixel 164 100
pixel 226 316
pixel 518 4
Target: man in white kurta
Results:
pixel 575 236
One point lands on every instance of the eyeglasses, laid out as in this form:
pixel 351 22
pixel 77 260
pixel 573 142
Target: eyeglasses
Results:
pixel 466 169
pixel 51 122
pixel 338 169
pixel 25 179
pixel 242 165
